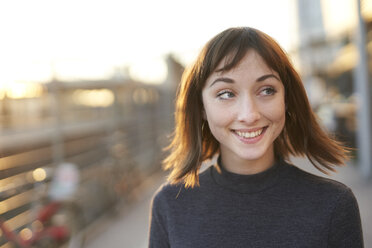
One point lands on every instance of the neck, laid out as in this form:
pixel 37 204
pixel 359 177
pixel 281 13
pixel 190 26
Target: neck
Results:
pixel 248 167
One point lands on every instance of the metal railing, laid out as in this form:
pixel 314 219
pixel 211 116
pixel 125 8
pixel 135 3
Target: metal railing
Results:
pixel 113 147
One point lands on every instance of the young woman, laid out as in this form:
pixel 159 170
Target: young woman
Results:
pixel 243 101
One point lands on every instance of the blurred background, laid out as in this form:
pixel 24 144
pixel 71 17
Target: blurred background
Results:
pixel 86 103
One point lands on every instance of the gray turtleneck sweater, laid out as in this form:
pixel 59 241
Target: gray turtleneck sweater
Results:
pixel 280 207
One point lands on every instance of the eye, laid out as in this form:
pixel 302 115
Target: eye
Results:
pixel 225 94
pixel 268 91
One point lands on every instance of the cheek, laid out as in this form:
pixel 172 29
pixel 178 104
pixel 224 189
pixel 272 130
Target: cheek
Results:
pixel 280 123
pixel 276 113
pixel 216 117
pixel 279 115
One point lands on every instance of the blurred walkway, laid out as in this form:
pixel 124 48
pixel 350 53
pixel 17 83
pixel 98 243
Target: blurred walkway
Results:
pixel 131 229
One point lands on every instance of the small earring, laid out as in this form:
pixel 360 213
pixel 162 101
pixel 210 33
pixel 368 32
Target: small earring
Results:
pixel 202 127
pixel 291 116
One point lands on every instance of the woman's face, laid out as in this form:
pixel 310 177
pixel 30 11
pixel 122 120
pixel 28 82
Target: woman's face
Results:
pixel 245 110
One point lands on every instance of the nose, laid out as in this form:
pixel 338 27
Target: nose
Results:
pixel 248 111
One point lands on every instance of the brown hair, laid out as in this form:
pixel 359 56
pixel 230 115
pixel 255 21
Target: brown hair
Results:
pixel 193 142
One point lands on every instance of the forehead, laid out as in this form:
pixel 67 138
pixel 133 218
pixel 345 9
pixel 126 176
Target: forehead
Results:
pixel 251 62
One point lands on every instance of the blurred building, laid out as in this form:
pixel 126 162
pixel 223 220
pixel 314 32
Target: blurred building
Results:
pixel 328 53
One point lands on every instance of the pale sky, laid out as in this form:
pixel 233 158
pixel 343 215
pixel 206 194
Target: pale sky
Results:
pixel 87 39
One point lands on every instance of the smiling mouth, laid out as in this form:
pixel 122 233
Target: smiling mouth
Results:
pixel 250 135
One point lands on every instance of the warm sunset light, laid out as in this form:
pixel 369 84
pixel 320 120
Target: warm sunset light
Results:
pixel 39 174
pixel 195 123
pixel 94 98
pixel 26 233
pixel 21 90
pixel 150 71
pixel 56 41
pixel 344 19
pixel 2 93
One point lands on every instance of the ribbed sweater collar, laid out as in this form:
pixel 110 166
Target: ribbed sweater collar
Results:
pixel 247 184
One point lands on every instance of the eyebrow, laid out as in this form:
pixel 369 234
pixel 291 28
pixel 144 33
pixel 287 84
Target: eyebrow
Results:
pixel 231 81
pixel 264 77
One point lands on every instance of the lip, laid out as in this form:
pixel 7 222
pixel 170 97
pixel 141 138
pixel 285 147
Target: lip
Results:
pixel 250 140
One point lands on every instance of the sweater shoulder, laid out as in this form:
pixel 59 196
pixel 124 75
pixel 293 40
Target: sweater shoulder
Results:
pixel 315 182
pixel 165 192
pixel 324 193
pixel 168 191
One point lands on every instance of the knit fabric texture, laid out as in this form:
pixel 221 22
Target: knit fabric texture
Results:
pixel 280 207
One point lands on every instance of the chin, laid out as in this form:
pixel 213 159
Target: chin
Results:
pixel 255 154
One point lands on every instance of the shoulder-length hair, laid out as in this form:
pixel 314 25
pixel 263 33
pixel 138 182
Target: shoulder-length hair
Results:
pixel 193 142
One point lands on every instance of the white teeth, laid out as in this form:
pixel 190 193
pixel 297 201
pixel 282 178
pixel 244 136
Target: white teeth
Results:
pixel 249 134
